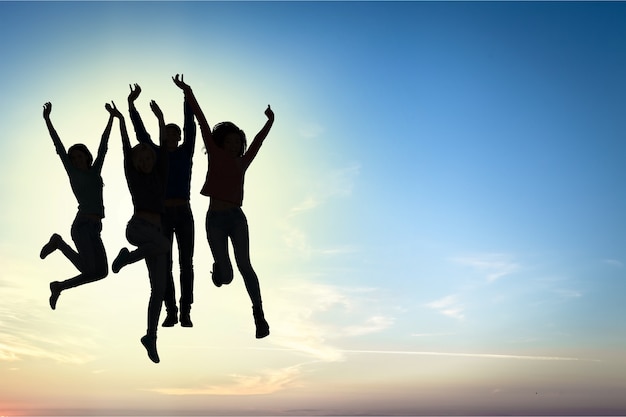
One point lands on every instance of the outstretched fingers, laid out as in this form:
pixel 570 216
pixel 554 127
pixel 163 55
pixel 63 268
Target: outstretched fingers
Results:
pixel 134 93
pixel 112 109
pixel 179 81
pixel 156 109
pixel 47 108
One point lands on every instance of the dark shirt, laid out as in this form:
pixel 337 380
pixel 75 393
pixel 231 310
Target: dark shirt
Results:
pixel 225 176
pixel 180 159
pixel 147 190
pixel 86 185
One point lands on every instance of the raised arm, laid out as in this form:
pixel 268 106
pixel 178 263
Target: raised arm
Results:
pixel 269 113
pixel 205 130
pixel 56 140
pixel 159 115
pixel 189 128
pixel 260 137
pixel 162 159
pixel 112 109
pixel 104 141
pixel 140 130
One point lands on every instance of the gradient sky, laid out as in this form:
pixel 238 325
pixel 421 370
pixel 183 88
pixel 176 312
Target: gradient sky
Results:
pixel 437 217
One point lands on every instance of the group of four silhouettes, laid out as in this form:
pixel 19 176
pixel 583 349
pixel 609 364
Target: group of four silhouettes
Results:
pixel 158 178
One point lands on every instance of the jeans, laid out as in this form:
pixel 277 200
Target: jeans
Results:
pixel 90 257
pixel 178 220
pixel 155 249
pixel 232 223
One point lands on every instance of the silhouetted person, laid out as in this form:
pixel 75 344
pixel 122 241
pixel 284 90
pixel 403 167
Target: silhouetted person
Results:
pixel 146 175
pixel 86 181
pixel 228 162
pixel 178 218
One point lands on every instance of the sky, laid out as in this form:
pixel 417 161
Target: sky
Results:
pixel 436 217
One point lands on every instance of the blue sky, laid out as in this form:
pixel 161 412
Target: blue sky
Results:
pixel 437 217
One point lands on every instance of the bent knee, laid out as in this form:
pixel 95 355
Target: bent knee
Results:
pixel 225 272
pixel 98 273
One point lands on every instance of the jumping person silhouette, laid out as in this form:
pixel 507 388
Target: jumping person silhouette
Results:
pixel 86 181
pixel 177 218
pixel 146 176
pixel 228 162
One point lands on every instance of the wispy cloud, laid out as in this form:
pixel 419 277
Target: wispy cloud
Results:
pixel 472 355
pixel 275 380
pixel 295 238
pixel 23 338
pixel 373 324
pixel 311 130
pixel 448 306
pixel 613 262
pixel 337 183
pixel 493 265
pixel 430 334
pixel 463 355
pixel 266 382
pixel 317 317
pixel 25 331
pixel 567 293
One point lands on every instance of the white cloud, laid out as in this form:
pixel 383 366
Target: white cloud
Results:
pixel 314 318
pixel 266 382
pixel 567 293
pixel 296 239
pixel 493 266
pixel 473 355
pixel 21 341
pixel 26 330
pixel 448 306
pixel 373 324
pixel 430 334
pixel 310 320
pixel 311 130
pixel 337 183
pixel 613 262
pixel 308 204
pixel 272 381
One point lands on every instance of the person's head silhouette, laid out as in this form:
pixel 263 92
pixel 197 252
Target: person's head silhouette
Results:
pixel 230 138
pixel 144 158
pixel 80 156
pixel 172 136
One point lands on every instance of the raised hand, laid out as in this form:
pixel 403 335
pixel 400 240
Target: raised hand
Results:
pixel 134 93
pixel 113 111
pixel 156 110
pixel 47 108
pixel 180 83
pixel 269 113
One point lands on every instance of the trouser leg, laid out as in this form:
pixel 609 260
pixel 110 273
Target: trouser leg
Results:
pixel 185 240
pixel 241 244
pixel 217 234
pixel 155 249
pixel 169 223
pixel 90 257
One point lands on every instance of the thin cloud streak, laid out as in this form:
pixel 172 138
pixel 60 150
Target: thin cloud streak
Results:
pixel 457 354
pixel 493 265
